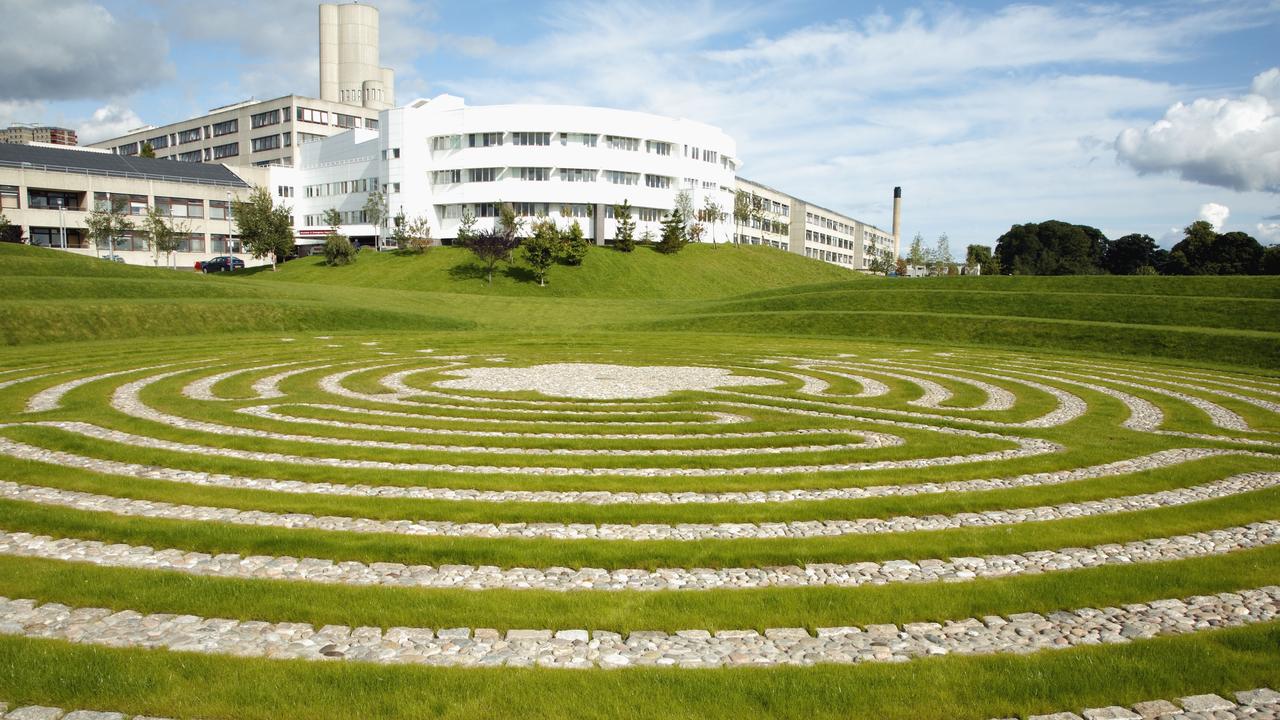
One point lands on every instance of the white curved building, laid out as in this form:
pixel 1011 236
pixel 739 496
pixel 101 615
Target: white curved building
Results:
pixel 435 157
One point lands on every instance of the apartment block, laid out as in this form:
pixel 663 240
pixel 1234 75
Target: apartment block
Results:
pixel 23 134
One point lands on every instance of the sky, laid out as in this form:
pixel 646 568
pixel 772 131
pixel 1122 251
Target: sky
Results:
pixel 1130 117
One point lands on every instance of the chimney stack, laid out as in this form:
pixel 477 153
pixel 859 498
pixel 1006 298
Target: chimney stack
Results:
pixel 897 221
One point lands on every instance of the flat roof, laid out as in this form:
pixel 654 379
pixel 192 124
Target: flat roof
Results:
pixel 80 162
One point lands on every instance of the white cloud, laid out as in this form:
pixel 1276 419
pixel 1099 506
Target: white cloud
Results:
pixel 1215 214
pixel 1269 233
pixel 76 49
pixel 1232 143
pixel 108 121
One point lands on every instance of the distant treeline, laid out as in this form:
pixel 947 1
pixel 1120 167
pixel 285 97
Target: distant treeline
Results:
pixel 1059 248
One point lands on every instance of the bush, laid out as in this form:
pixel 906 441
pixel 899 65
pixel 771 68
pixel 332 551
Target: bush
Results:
pixel 673 234
pixel 338 250
pixel 573 245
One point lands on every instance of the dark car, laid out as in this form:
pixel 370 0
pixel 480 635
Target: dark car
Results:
pixel 222 263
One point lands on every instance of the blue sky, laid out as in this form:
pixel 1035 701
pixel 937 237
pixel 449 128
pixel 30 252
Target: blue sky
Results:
pixel 988 114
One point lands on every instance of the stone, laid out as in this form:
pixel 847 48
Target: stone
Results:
pixel 1205 703
pixel 1115 712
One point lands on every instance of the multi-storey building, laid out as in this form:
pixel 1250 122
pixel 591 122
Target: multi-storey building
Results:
pixel 23 134
pixel 440 158
pixel 789 223
pixel 48 193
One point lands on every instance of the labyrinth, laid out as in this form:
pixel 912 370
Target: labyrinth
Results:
pixel 823 526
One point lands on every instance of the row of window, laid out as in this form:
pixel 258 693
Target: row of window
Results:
pixel 613 142
pixel 529 209
pixel 544 174
pixel 168 206
pixel 134 240
pixel 815 236
pixel 828 256
pixel 258 120
pixel 828 223
pixel 341 187
pixel 346 217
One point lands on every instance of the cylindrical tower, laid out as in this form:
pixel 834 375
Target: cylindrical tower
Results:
pixel 897 222
pixel 357 51
pixel 329 52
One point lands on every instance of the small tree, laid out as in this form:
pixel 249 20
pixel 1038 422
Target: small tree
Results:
pixel 376 212
pixel 741 212
pixel 573 245
pixel 983 258
pixel 881 262
pixel 106 225
pixel 412 235
pixel 695 232
pixel 901 267
pixel 647 237
pixel 624 238
pixel 146 150
pixel 164 235
pixel 267 229
pixel 673 233
pixel 942 255
pixel 6 230
pixel 466 227
pixel 492 247
pixel 684 203
pixel 760 213
pixel 542 248
pixel 916 256
pixel 509 223
pixel 712 213
pixel 338 250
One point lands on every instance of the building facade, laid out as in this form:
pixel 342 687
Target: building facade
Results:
pixel 48 192
pixel 22 134
pixel 788 223
pixel 439 158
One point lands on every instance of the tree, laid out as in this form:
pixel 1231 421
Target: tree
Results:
pixel 881 262
pixel 165 236
pixel 684 203
pixel 1204 252
pixel 146 150
pixel 1126 255
pixel 467 226
pixel 695 232
pixel 647 237
pixel 573 245
pixel 1052 247
pixel 916 255
pixel 509 223
pixel 741 212
pixel 983 258
pixel 338 250
pixel 412 236
pixel 376 212
pixel 541 248
pixel 942 259
pixel 106 225
pixel 673 233
pixel 492 247
pixel 1271 260
pixel 760 213
pixel 901 267
pixel 712 213
pixel 266 230
pixel 9 232
pixel 333 219
pixel 624 238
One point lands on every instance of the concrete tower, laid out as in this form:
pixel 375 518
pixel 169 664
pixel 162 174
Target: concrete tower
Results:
pixel 349 71
pixel 897 222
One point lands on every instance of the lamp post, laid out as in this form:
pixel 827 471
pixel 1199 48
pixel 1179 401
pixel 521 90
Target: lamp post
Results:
pixel 231 252
pixel 62 222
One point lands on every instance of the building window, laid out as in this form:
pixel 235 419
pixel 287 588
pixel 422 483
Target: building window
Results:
pixel 346 121
pixel 193 156
pixel 180 207
pixel 228 150
pixel 661 182
pixel 484 139
pixel 485 210
pixel 269 142
pixel 304 138
pixel 217 209
pixel 50 199
pixel 482 174
pixel 535 174
pixel 650 214
pixel 526 209
pixel 319 117
pixel 218 244
pixel 9 197
pixel 576 211
pixel 270 117
pixel 190 242
pixel 616 142
pixel 530 138
pixel 577 175
pixel 226 128
pixel 584 139
pixel 657 148
pixel 288 139
pixel 159 143
pixel 129 149
pixel 371 123
pixel 187 136
pixel 447 177
pixel 617 177
pixel 446 142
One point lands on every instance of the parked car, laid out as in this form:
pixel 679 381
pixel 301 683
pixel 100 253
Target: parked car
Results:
pixel 222 263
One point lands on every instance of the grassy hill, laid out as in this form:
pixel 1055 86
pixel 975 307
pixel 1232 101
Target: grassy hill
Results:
pixel 51 296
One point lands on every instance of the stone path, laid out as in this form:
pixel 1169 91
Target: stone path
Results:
pixel 1259 704
pixel 471 577
pixel 686 532
pixel 577 648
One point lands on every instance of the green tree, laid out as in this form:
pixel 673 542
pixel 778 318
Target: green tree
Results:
pixel 146 150
pixel 1271 260
pixel 7 233
pixel 412 236
pixel 105 225
pixel 466 227
pixel 916 255
pixel 376 212
pixel 573 245
pixel 1202 251
pixel 338 249
pixel 712 213
pixel 901 267
pixel 684 203
pixel 982 257
pixel 333 219
pixel 509 223
pixel 266 229
pixel 1124 256
pixel 624 238
pixel 881 262
pixel 647 237
pixel 1052 247
pixel 673 233
pixel 741 212
pixel 541 248
pixel 492 247
pixel 942 258
pixel 164 235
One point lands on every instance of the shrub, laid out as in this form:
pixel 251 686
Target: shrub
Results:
pixel 338 250
pixel 573 245
pixel 673 233
pixel 542 248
